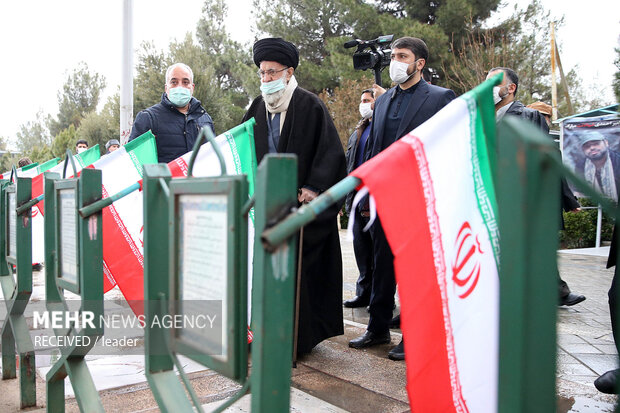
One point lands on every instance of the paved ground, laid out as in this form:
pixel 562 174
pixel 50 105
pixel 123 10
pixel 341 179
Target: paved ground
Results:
pixel 366 381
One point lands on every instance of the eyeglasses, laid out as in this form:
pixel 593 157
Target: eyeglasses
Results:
pixel 270 72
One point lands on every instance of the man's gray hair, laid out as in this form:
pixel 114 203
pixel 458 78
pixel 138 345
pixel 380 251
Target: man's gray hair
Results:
pixel 184 66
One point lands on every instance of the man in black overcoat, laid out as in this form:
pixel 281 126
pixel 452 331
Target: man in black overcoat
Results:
pixel 290 119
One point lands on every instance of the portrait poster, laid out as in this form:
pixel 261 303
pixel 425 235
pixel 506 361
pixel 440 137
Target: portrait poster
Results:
pixel 591 148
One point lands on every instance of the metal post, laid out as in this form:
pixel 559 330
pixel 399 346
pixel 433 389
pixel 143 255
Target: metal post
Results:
pixel 273 288
pixel 15 334
pixel 599 224
pixel 165 385
pixel 90 281
pixel 554 88
pixel 127 73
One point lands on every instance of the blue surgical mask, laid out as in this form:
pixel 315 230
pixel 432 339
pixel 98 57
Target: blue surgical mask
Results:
pixel 274 86
pixel 179 96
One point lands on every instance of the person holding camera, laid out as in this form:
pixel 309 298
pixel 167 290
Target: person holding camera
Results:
pixel 290 119
pixel 397 112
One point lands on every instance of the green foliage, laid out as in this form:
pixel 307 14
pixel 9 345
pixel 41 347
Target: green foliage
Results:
pixel 64 140
pixel 7 159
pixel 150 79
pixel 98 128
pixel 224 75
pixel 432 11
pixel 79 96
pixel 33 134
pixel 580 227
pixel 40 154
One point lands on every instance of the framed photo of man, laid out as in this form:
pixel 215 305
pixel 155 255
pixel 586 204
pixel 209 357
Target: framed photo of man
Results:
pixel 591 148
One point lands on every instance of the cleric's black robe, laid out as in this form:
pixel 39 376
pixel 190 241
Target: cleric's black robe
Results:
pixel 309 133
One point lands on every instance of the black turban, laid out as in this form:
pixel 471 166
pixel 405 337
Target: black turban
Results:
pixel 276 49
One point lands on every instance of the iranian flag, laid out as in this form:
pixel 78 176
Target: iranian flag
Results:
pixel 434 195
pixel 36 173
pixel 123 244
pixel 122 221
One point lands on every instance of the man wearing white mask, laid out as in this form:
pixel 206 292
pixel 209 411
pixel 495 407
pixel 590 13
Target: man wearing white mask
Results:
pixel 81 146
pixel 362 243
pixel 505 102
pixel 176 121
pixel 507 105
pixel 397 112
pixel 290 119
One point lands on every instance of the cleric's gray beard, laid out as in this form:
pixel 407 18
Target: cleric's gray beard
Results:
pixel 273 98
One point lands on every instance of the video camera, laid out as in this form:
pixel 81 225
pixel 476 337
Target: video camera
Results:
pixel 376 57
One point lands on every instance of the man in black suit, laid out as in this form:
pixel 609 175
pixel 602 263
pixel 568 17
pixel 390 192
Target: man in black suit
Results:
pixel 506 105
pixel 397 112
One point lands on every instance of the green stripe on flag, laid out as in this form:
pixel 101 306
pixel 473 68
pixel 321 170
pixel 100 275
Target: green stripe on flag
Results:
pixel 482 123
pixel 483 95
pixel 241 142
pixel 47 165
pixel 89 156
pixel 142 150
pixel 27 167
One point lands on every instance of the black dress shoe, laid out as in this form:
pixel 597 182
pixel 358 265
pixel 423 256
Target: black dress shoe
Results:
pixel 572 299
pixel 608 382
pixel 355 302
pixel 398 352
pixel 370 339
pixel 395 322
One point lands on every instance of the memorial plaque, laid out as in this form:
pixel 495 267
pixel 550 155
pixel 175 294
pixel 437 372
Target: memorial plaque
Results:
pixel 67 220
pixel 12 217
pixel 203 267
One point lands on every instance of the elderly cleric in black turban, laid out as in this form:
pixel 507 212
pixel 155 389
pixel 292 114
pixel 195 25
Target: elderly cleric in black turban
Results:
pixel 275 49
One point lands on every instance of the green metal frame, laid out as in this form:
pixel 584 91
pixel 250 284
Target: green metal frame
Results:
pixel 17 292
pixel 272 292
pixel 4 265
pixel 159 362
pixel 273 287
pixel 90 281
pixel 235 189
pixel 66 185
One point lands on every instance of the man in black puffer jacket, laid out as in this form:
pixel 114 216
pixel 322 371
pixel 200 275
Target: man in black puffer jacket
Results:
pixel 177 120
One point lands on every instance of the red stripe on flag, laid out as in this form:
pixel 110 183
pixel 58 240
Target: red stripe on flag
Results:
pixel 178 167
pixel 37 190
pixel 395 182
pixel 123 258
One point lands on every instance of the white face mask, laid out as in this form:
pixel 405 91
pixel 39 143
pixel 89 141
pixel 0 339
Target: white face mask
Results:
pixel 80 150
pixel 365 110
pixel 497 97
pixel 398 71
